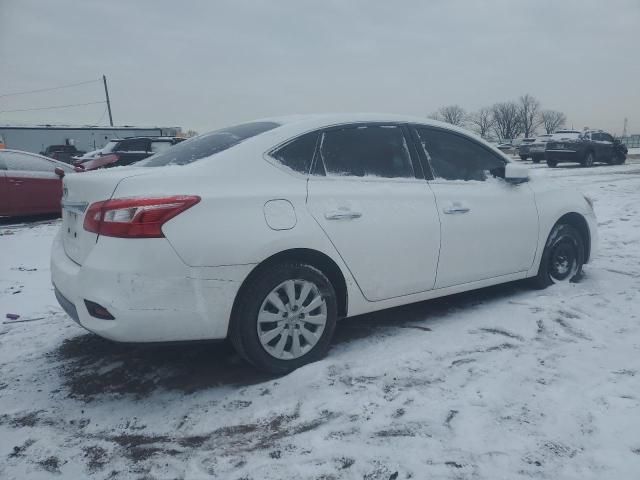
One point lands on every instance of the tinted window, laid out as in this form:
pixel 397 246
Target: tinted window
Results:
pixel 379 151
pixel 605 137
pixel 206 145
pixel 24 162
pixel 298 154
pixel 159 146
pixel 133 145
pixel 454 157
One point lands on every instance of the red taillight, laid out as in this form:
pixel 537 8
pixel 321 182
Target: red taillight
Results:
pixel 135 217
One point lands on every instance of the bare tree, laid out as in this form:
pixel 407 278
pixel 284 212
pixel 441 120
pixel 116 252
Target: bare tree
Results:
pixel 552 120
pixel 191 133
pixel 529 109
pixel 506 120
pixel 453 114
pixel 482 121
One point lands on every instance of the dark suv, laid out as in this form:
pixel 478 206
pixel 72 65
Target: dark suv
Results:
pixel 584 148
pixel 119 152
pixel 62 153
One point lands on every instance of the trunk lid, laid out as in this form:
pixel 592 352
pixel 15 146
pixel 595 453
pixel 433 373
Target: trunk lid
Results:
pixel 80 190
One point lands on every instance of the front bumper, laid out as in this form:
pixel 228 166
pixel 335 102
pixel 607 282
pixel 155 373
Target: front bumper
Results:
pixel 152 294
pixel 592 221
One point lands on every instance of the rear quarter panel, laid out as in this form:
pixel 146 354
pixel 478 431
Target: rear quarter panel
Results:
pixel 5 206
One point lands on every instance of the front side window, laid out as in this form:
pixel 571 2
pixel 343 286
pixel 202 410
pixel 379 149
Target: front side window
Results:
pixel 204 146
pixel 298 154
pixel 376 151
pixel 455 157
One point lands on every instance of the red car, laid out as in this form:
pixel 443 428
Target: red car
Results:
pixel 30 184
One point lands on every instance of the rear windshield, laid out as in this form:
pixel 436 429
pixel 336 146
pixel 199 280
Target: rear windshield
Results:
pixel 206 145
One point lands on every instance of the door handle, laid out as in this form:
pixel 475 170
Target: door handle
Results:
pixel 455 209
pixel 342 215
pixel 16 182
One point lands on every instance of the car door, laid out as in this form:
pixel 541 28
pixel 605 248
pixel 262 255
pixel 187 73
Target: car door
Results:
pixel 595 141
pixel 33 185
pixel 368 195
pixel 607 146
pixel 5 206
pixel 489 228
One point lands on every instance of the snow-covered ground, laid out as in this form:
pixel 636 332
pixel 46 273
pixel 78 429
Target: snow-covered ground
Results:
pixel 504 382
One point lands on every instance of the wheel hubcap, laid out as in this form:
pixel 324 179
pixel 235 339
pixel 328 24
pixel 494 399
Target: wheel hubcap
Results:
pixel 563 261
pixel 291 319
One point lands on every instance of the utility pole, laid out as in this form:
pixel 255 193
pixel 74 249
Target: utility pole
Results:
pixel 106 93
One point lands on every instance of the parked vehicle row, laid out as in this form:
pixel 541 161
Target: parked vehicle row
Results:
pixel 30 184
pixel 121 152
pixel 268 232
pixel 585 148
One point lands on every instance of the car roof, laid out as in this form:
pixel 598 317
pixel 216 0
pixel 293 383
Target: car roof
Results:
pixel 292 126
pixel 48 159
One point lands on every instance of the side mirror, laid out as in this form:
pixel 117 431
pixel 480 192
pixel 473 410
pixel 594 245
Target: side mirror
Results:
pixel 516 173
pixel 59 172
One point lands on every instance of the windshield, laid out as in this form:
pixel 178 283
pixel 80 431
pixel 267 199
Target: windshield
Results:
pixel 108 148
pixel 206 145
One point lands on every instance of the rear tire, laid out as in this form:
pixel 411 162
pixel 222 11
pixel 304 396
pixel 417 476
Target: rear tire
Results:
pixel 274 328
pixel 523 157
pixel 562 258
pixel 536 159
pixel 552 163
pixel 588 160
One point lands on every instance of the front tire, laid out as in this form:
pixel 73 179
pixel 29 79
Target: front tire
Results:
pixel 562 258
pixel 619 159
pixel 284 318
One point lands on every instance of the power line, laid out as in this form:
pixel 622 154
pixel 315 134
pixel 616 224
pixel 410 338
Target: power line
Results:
pixel 102 116
pixel 50 88
pixel 53 107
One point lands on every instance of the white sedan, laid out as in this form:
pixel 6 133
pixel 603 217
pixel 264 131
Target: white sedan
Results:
pixel 269 232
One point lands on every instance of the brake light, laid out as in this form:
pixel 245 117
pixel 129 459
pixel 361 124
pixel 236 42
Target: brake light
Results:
pixel 135 217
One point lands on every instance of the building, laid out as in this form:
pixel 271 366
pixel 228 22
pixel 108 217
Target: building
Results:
pixel 37 138
pixel 631 141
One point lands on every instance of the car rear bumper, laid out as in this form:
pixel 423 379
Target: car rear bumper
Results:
pixel 152 301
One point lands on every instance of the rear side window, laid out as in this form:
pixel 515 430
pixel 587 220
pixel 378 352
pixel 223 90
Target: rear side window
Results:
pixel 298 154
pixel 26 163
pixel 378 151
pixel 454 157
pixel 206 145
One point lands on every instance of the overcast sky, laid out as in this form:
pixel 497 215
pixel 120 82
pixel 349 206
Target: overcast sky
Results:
pixel 206 64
